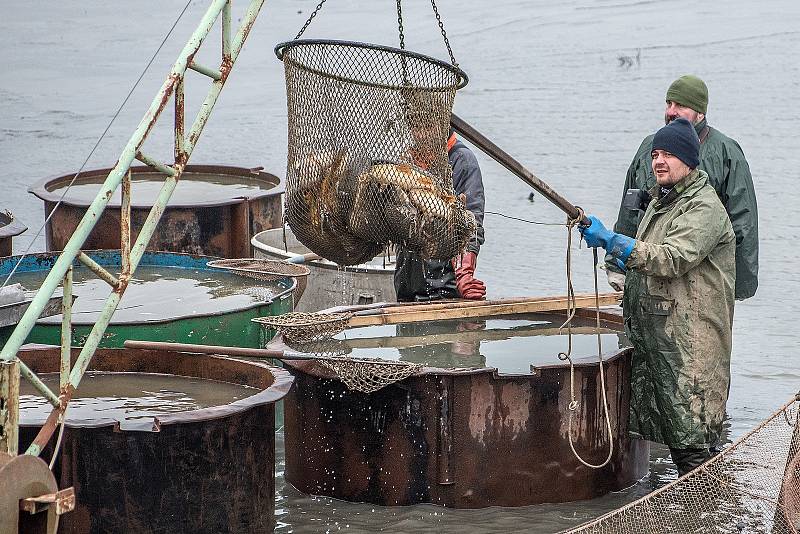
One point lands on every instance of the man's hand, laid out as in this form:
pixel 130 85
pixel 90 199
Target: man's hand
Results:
pixel 468 286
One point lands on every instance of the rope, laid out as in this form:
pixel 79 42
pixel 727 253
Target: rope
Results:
pixel 99 140
pixel 566 356
pixel 525 220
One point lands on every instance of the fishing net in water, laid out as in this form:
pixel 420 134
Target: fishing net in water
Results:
pixel 310 334
pixel 753 486
pixel 367 164
pixel 261 268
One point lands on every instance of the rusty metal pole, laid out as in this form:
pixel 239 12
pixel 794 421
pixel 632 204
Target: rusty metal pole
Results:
pixel 516 168
pixel 9 406
pixel 66 330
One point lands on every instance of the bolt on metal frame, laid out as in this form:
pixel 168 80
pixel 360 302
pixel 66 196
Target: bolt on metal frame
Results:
pixel 11 368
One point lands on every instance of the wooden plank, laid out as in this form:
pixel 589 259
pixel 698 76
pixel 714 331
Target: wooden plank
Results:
pixel 433 312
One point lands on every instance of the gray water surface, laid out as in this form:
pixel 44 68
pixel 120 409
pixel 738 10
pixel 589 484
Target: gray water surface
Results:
pixel 546 82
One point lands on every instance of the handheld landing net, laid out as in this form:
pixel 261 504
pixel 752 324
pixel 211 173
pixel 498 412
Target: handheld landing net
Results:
pixel 367 163
pixel 753 486
pixel 261 269
pixel 310 333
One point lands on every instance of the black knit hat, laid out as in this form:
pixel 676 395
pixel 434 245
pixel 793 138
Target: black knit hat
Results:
pixel 679 139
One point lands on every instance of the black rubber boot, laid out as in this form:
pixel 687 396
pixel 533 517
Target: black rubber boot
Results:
pixel 688 459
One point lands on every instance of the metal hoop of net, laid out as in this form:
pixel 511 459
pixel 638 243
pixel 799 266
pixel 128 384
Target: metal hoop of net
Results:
pixel 261 269
pixel 306 327
pixel 310 333
pixel 358 374
pixel 367 164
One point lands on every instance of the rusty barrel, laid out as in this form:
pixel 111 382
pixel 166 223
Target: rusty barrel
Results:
pixel 9 228
pixel 202 471
pixel 215 210
pixel 463 438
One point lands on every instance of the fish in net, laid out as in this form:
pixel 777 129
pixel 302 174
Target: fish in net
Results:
pixel 367 164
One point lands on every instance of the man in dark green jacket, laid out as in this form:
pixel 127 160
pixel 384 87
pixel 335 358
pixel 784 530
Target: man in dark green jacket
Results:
pixel 728 173
pixel 678 301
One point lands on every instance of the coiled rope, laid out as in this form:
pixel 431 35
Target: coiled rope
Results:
pixel 566 356
pixel 571 311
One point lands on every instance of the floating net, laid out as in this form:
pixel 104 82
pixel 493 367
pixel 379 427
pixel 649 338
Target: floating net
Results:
pixel 753 486
pixel 367 164
pixel 261 269
pixel 302 327
pixel 310 333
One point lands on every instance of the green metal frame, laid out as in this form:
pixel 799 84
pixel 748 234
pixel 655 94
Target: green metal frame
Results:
pixel 10 366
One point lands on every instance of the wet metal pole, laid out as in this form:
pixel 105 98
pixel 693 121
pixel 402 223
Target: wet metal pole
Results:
pixel 503 158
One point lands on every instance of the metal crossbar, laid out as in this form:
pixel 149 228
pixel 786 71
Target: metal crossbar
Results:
pixel 10 366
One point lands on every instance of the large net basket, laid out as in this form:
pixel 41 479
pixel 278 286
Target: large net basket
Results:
pixel 368 164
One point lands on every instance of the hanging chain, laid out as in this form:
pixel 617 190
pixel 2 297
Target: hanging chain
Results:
pixel 314 14
pixel 400 25
pixel 444 33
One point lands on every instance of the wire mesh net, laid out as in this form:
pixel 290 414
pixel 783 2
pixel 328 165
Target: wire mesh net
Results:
pixel 261 269
pixel 753 486
pixel 310 335
pixel 367 164
pixel 302 327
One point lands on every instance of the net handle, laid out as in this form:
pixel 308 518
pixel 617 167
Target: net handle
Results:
pixel 281 48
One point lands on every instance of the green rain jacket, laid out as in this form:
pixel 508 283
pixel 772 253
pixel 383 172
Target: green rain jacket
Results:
pixel 723 160
pixel 678 307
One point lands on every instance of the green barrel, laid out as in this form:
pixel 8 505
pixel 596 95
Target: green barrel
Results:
pixel 179 322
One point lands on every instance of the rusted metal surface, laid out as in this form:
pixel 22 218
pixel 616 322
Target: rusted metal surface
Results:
pixel 23 477
pixel 462 438
pixel 9 228
pixel 217 226
pixel 209 470
pixel 63 501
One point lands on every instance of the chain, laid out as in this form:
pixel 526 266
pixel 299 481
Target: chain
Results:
pixel 444 33
pixel 314 14
pixel 400 25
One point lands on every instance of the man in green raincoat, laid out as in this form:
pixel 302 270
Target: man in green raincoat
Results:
pixel 678 301
pixel 722 159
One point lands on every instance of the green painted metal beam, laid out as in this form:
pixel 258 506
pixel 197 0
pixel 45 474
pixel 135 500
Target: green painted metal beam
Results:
pixel 173 85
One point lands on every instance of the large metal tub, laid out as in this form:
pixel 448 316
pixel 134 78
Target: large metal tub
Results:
pixel 9 228
pixel 463 438
pixel 232 326
pixel 218 221
pixel 329 285
pixel 209 470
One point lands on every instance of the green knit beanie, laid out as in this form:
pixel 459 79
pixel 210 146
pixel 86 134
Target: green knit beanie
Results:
pixel 689 91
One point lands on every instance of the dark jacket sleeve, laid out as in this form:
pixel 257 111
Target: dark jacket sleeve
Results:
pixel 467 179
pixel 739 198
pixel 636 178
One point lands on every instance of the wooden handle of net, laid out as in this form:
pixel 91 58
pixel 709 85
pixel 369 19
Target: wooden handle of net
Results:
pixel 216 349
pixel 516 168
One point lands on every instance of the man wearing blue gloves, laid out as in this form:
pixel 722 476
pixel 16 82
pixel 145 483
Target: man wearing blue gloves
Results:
pixel 678 301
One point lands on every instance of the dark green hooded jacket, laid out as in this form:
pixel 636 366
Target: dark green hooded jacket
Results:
pixel 724 162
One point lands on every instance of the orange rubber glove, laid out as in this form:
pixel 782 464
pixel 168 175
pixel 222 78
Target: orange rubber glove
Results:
pixel 468 286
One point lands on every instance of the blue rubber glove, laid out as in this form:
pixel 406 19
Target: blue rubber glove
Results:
pixel 618 245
